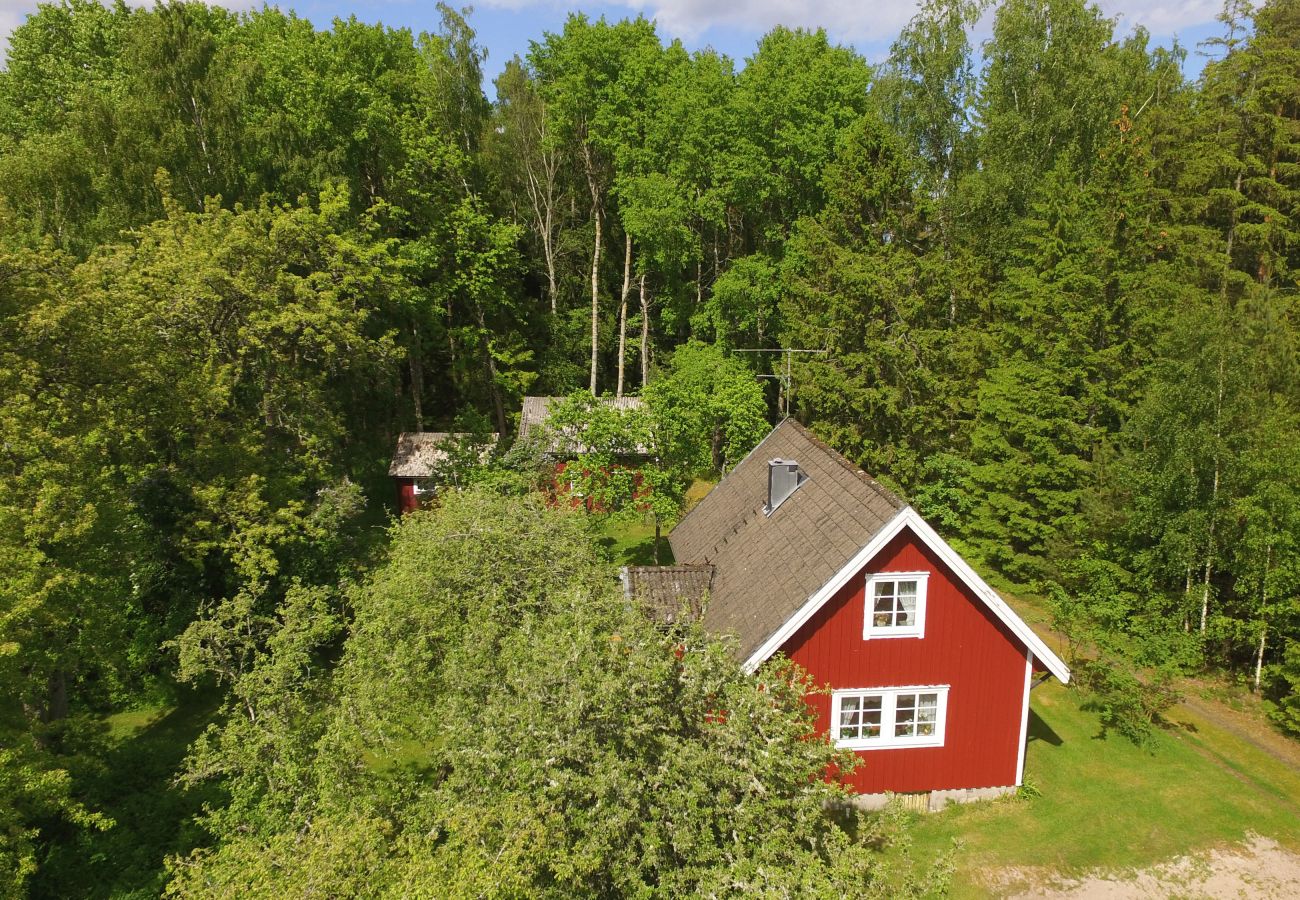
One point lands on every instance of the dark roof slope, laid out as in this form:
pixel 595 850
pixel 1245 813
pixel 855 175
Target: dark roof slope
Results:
pixel 768 566
pixel 668 593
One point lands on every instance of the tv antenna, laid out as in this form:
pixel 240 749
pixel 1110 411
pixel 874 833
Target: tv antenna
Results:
pixel 785 389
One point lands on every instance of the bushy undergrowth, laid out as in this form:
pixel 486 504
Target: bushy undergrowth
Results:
pixel 502 723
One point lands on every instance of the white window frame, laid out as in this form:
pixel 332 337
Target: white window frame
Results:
pixel 888 717
pixel 917 628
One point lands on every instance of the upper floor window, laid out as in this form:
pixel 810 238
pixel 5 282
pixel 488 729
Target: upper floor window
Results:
pixel 895 605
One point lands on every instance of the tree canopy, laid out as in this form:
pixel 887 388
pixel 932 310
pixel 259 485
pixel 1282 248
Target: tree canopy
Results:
pixel 1052 283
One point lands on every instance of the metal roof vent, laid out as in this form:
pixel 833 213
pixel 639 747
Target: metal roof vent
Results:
pixel 783 478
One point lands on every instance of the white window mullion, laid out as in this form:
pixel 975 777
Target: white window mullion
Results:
pixel 887 727
pixel 852 731
pixel 894 605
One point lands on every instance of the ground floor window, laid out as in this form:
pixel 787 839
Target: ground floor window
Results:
pixel 866 718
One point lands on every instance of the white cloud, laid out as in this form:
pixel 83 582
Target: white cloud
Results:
pixel 1163 18
pixel 862 20
pixel 843 19
pixel 12 13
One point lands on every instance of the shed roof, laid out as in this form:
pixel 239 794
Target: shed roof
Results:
pixel 668 593
pixel 768 565
pixel 420 453
pixel 533 415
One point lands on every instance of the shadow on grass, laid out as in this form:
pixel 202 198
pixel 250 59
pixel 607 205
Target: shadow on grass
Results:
pixel 638 553
pixel 1041 731
pixel 132 783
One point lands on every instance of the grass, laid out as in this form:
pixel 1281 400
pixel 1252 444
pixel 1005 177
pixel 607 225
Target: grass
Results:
pixel 1106 803
pixel 128 776
pixel 631 542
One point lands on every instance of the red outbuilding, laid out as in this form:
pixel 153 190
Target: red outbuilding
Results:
pixel 925 670
pixel 426 462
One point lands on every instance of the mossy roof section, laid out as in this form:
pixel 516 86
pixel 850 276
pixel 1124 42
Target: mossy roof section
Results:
pixel 535 410
pixel 669 593
pixel 419 453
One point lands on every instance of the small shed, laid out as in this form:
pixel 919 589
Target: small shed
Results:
pixel 427 460
pixel 560 445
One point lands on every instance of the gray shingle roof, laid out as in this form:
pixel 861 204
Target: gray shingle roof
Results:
pixel 535 410
pixel 767 566
pixel 668 592
pixel 419 453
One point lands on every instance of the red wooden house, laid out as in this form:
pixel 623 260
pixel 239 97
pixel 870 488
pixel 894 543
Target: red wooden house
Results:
pixel 929 671
pixel 560 446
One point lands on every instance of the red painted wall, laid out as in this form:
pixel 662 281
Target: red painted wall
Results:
pixel 965 646
pixel 560 489
pixel 407 501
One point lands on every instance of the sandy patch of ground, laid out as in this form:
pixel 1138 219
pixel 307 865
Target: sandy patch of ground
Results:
pixel 1256 870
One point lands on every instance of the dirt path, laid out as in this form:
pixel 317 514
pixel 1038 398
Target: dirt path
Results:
pixel 1249 726
pixel 1246 725
pixel 1260 869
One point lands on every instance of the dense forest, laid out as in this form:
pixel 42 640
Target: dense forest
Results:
pixel 1057 286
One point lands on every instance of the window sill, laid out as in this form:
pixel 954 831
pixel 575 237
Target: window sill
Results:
pixel 892 634
pixel 896 744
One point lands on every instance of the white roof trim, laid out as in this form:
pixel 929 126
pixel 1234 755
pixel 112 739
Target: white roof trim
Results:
pixel 909 518
pixel 827 590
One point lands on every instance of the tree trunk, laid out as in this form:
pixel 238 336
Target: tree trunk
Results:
pixel 1232 238
pixel 589 164
pixel 645 335
pixel 622 313
pixel 699 282
pixel 549 250
pixel 490 364
pixel 541 195
pixel 56 698
pixel 657 530
pixel 414 358
pixel 1209 550
pixel 268 386
pixel 1205 587
pixel 1214 496
pixel 1259 654
pixel 1263 611
pixel 595 302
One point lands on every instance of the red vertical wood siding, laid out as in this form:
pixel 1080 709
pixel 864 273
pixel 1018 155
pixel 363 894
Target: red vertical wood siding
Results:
pixel 965 647
pixel 407 501
pixel 560 488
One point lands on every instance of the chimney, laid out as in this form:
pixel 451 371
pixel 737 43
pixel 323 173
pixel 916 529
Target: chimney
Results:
pixel 783 478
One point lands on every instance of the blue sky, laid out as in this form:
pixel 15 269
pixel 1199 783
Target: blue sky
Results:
pixel 506 26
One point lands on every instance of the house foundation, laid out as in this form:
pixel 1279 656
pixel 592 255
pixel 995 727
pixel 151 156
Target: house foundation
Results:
pixel 931 801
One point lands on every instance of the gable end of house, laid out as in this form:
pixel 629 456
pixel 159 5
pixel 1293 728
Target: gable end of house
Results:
pixel 908 519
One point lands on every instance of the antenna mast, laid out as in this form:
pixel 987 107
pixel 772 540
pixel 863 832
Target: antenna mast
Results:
pixel 785 381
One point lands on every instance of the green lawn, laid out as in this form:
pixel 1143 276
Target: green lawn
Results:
pixel 130 779
pixel 631 542
pixel 1106 803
